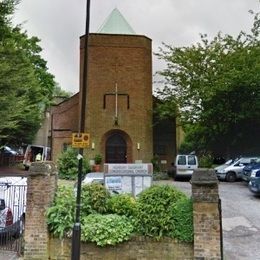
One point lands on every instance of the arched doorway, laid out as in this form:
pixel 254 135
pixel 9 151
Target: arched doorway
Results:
pixel 116 149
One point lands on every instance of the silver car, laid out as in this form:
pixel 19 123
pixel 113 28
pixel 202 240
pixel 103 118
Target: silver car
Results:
pixel 234 171
pixel 223 166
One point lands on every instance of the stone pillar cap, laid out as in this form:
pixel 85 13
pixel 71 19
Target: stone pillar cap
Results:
pixel 43 168
pixel 204 176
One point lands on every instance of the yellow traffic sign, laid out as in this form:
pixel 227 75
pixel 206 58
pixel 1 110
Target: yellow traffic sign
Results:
pixel 80 140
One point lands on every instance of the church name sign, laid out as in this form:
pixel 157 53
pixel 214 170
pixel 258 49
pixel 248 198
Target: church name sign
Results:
pixel 128 178
pixel 128 168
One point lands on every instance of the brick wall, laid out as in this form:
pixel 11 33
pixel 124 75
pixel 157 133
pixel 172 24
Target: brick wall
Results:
pixel 125 59
pixel 41 186
pixel 206 215
pixel 42 182
pixel 64 123
pixel 137 248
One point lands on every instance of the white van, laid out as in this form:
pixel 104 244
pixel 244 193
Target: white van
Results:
pixel 36 153
pixel 185 165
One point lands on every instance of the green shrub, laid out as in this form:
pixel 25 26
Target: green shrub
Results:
pixel 154 210
pixel 183 220
pixel 106 229
pixel 205 161
pixel 68 164
pixel 156 163
pixel 122 204
pixel 94 199
pixel 159 211
pixel 60 216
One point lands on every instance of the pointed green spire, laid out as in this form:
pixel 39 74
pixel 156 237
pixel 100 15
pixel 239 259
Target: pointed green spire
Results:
pixel 116 24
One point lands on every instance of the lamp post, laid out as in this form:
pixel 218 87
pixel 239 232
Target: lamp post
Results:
pixel 75 250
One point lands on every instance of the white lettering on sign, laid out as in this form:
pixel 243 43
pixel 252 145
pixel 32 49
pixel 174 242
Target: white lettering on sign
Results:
pixel 129 168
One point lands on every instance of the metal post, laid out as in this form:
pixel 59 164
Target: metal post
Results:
pixel 221 229
pixel 75 251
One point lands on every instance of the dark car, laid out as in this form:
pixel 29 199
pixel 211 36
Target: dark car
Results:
pixel 247 170
pixel 8 228
pixel 7 151
pixel 8 156
pixel 254 183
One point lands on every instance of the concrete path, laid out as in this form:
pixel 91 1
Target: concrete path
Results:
pixel 8 255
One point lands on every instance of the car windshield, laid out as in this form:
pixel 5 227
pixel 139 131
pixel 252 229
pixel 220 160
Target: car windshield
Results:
pixel 8 149
pixel 229 162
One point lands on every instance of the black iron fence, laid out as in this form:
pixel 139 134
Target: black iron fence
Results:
pixel 12 216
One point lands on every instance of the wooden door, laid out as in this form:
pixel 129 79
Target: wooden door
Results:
pixel 116 149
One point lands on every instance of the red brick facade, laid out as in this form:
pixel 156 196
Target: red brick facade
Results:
pixel 120 126
pixel 64 122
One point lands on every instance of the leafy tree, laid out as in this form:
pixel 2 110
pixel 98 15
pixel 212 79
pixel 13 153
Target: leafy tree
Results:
pixel 216 86
pixel 59 92
pixel 26 86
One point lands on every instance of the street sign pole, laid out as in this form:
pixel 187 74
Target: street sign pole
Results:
pixel 75 250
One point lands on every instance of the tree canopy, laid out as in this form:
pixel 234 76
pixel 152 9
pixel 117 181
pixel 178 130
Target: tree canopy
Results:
pixel 26 86
pixel 215 84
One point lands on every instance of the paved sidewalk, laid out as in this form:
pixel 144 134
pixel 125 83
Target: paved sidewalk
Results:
pixel 8 255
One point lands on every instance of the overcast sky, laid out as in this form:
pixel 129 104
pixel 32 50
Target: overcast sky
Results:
pixel 60 23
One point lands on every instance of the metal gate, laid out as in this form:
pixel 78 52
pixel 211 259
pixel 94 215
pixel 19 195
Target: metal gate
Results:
pixel 12 214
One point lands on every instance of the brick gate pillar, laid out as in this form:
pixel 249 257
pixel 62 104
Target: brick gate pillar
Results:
pixel 206 215
pixel 41 187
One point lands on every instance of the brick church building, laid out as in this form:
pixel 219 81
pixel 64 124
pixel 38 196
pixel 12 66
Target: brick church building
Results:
pixel 119 103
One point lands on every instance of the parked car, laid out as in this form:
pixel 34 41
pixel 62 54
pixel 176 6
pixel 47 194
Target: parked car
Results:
pixel 223 166
pixel 8 156
pixel 247 170
pixel 13 193
pixel 184 165
pixel 7 151
pixel 254 183
pixel 234 171
pixel 8 228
